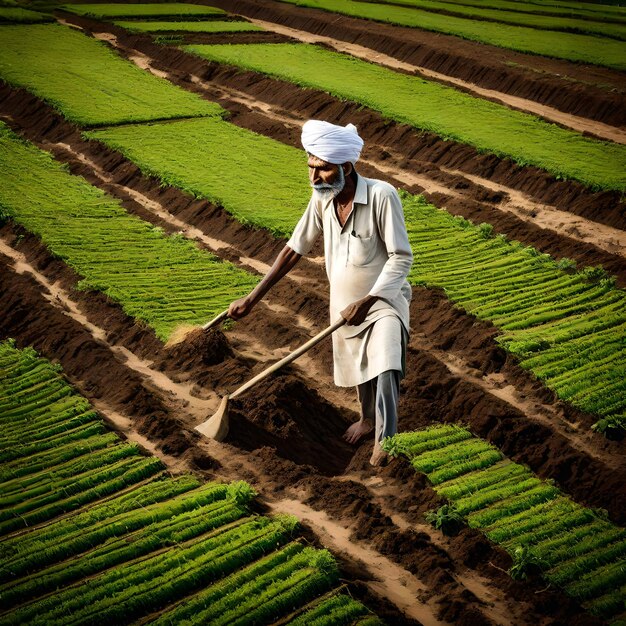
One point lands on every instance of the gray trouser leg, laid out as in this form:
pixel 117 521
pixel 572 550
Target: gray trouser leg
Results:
pixel 379 402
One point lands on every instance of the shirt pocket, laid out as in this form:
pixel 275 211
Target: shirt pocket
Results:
pixel 362 250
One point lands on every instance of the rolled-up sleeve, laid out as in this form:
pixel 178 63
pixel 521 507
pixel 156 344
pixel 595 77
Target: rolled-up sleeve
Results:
pixel 392 229
pixel 307 230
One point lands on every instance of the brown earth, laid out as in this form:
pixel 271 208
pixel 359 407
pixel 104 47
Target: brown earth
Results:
pixel 285 438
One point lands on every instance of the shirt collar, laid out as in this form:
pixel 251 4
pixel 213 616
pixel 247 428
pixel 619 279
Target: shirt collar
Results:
pixel 360 194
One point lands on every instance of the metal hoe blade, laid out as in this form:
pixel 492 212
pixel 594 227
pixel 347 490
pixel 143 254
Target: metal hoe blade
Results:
pixel 216 427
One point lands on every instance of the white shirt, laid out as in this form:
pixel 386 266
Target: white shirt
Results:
pixel 371 255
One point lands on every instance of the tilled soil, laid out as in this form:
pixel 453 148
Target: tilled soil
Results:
pixel 384 524
pixel 286 437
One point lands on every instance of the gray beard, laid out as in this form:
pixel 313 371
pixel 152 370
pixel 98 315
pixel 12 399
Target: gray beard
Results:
pixel 332 189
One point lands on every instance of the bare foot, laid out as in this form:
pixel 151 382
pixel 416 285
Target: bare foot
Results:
pixel 358 430
pixel 379 457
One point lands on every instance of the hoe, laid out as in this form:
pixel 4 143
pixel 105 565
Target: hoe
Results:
pixel 216 427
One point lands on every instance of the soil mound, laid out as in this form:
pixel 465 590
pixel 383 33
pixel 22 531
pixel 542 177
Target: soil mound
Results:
pixel 201 347
pixel 283 413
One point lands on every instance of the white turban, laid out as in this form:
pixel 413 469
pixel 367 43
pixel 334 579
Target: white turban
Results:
pixel 332 143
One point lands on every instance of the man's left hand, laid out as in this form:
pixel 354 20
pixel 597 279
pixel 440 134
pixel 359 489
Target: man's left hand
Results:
pixel 355 313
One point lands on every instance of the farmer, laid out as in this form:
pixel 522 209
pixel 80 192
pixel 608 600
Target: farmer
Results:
pixel 368 257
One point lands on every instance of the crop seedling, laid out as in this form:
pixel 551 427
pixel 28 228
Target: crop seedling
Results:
pixel 526 564
pixel 446 519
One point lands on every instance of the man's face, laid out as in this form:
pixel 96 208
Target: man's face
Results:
pixel 325 177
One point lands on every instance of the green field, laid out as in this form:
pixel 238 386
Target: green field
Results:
pixel 548 22
pixel 93 531
pixel 213 26
pixel 160 280
pixel 576 548
pixel 258 180
pixel 24 16
pixel 428 105
pixel 123 9
pixel 568 46
pixel 608 7
pixel 86 81
pixel 580 10
pixel 566 327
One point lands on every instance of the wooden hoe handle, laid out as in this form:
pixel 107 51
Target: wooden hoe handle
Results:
pixel 288 359
pixel 216 320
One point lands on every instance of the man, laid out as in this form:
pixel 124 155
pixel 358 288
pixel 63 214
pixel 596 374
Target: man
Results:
pixel 368 257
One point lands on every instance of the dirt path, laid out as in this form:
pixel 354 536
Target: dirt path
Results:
pixel 574 122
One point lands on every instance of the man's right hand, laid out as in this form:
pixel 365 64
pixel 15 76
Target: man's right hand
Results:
pixel 240 308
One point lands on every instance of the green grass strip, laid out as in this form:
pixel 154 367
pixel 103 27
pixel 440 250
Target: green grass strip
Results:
pixel 122 593
pixel 264 589
pixel 22 16
pixel 86 81
pixel 551 314
pixel 140 470
pixel 258 180
pixel 572 9
pixel 569 46
pixel 433 107
pixel 155 491
pixel 578 550
pixel 336 610
pixel 132 544
pixel 549 22
pixel 213 26
pixel 126 258
pixel 124 9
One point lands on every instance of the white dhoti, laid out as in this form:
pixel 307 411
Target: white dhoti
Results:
pixel 377 349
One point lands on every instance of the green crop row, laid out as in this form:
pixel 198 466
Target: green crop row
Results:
pixel 123 9
pixel 516 18
pixel 336 610
pixel 160 280
pixel 574 547
pixel 430 106
pixel 258 180
pixel 22 16
pixel 121 544
pixel 131 544
pixel 213 26
pixel 585 10
pixel 569 46
pixel 89 83
pixel 565 327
